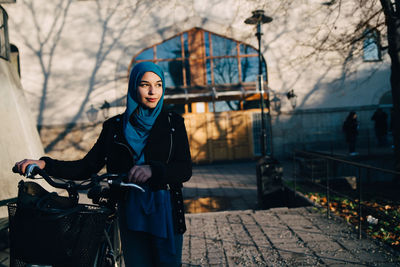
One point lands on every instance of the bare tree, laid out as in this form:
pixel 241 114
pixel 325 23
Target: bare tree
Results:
pixel 381 16
pixel 114 18
pixel 46 43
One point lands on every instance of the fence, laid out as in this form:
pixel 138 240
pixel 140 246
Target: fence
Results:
pixel 321 130
pixel 348 179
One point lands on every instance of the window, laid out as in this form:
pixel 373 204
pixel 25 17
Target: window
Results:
pixel 4 44
pixel 371 46
pixel 202 58
pixel 201 66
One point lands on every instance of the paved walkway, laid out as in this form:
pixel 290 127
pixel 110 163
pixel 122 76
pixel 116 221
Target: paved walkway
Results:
pixel 278 237
pixel 243 236
pixel 229 186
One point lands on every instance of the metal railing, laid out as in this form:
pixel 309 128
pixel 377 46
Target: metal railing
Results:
pixel 311 166
pixel 333 142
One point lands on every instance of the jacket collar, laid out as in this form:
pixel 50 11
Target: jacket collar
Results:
pixel 161 127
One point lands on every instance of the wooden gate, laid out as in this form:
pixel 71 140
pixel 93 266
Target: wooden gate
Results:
pixel 220 136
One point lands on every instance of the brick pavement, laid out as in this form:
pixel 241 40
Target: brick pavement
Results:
pixel 278 237
pixel 233 185
pixel 243 236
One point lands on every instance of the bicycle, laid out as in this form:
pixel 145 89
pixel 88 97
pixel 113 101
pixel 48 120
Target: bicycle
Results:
pixel 48 229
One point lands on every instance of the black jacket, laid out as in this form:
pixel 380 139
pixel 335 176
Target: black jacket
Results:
pixel 167 152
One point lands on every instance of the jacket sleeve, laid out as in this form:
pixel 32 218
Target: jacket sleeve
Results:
pixel 179 167
pixel 83 168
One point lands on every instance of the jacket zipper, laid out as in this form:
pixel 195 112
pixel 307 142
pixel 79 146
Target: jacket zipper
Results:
pixel 130 152
pixel 170 143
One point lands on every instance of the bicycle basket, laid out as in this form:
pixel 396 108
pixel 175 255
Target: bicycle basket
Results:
pixel 54 236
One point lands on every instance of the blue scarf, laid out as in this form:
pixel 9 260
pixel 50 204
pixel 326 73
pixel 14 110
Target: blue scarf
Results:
pixel 136 134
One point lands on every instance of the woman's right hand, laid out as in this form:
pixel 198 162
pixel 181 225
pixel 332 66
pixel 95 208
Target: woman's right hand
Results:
pixel 139 174
pixel 21 165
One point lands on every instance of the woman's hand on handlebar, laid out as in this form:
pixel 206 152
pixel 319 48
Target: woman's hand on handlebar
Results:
pixel 139 174
pixel 21 165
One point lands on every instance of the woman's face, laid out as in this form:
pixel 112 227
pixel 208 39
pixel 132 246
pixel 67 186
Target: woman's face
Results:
pixel 150 90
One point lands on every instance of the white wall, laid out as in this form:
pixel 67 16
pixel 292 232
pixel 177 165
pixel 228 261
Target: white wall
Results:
pixel 84 71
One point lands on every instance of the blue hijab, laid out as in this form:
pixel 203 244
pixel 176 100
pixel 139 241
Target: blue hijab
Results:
pixel 137 128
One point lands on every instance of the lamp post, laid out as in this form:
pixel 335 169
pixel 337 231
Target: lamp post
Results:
pixel 268 169
pixel 276 103
pixel 292 98
pixel 258 19
pixel 92 114
pixel 105 108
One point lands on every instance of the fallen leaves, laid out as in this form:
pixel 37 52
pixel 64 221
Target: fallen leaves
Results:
pixel 386 227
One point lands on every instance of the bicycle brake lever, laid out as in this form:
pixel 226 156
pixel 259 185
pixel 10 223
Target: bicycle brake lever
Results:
pixel 123 184
pixel 133 185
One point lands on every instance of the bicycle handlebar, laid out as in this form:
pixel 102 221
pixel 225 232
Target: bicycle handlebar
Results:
pixel 112 179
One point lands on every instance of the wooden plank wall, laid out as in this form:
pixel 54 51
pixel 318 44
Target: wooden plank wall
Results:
pixel 220 136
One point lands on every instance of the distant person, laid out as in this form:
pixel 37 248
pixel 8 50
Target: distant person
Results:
pixel 381 126
pixel 350 129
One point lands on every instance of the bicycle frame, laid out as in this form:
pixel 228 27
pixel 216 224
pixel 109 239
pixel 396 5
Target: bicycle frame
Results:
pixel 110 252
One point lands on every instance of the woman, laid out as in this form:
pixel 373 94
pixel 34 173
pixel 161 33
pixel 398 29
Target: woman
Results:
pixel 150 145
